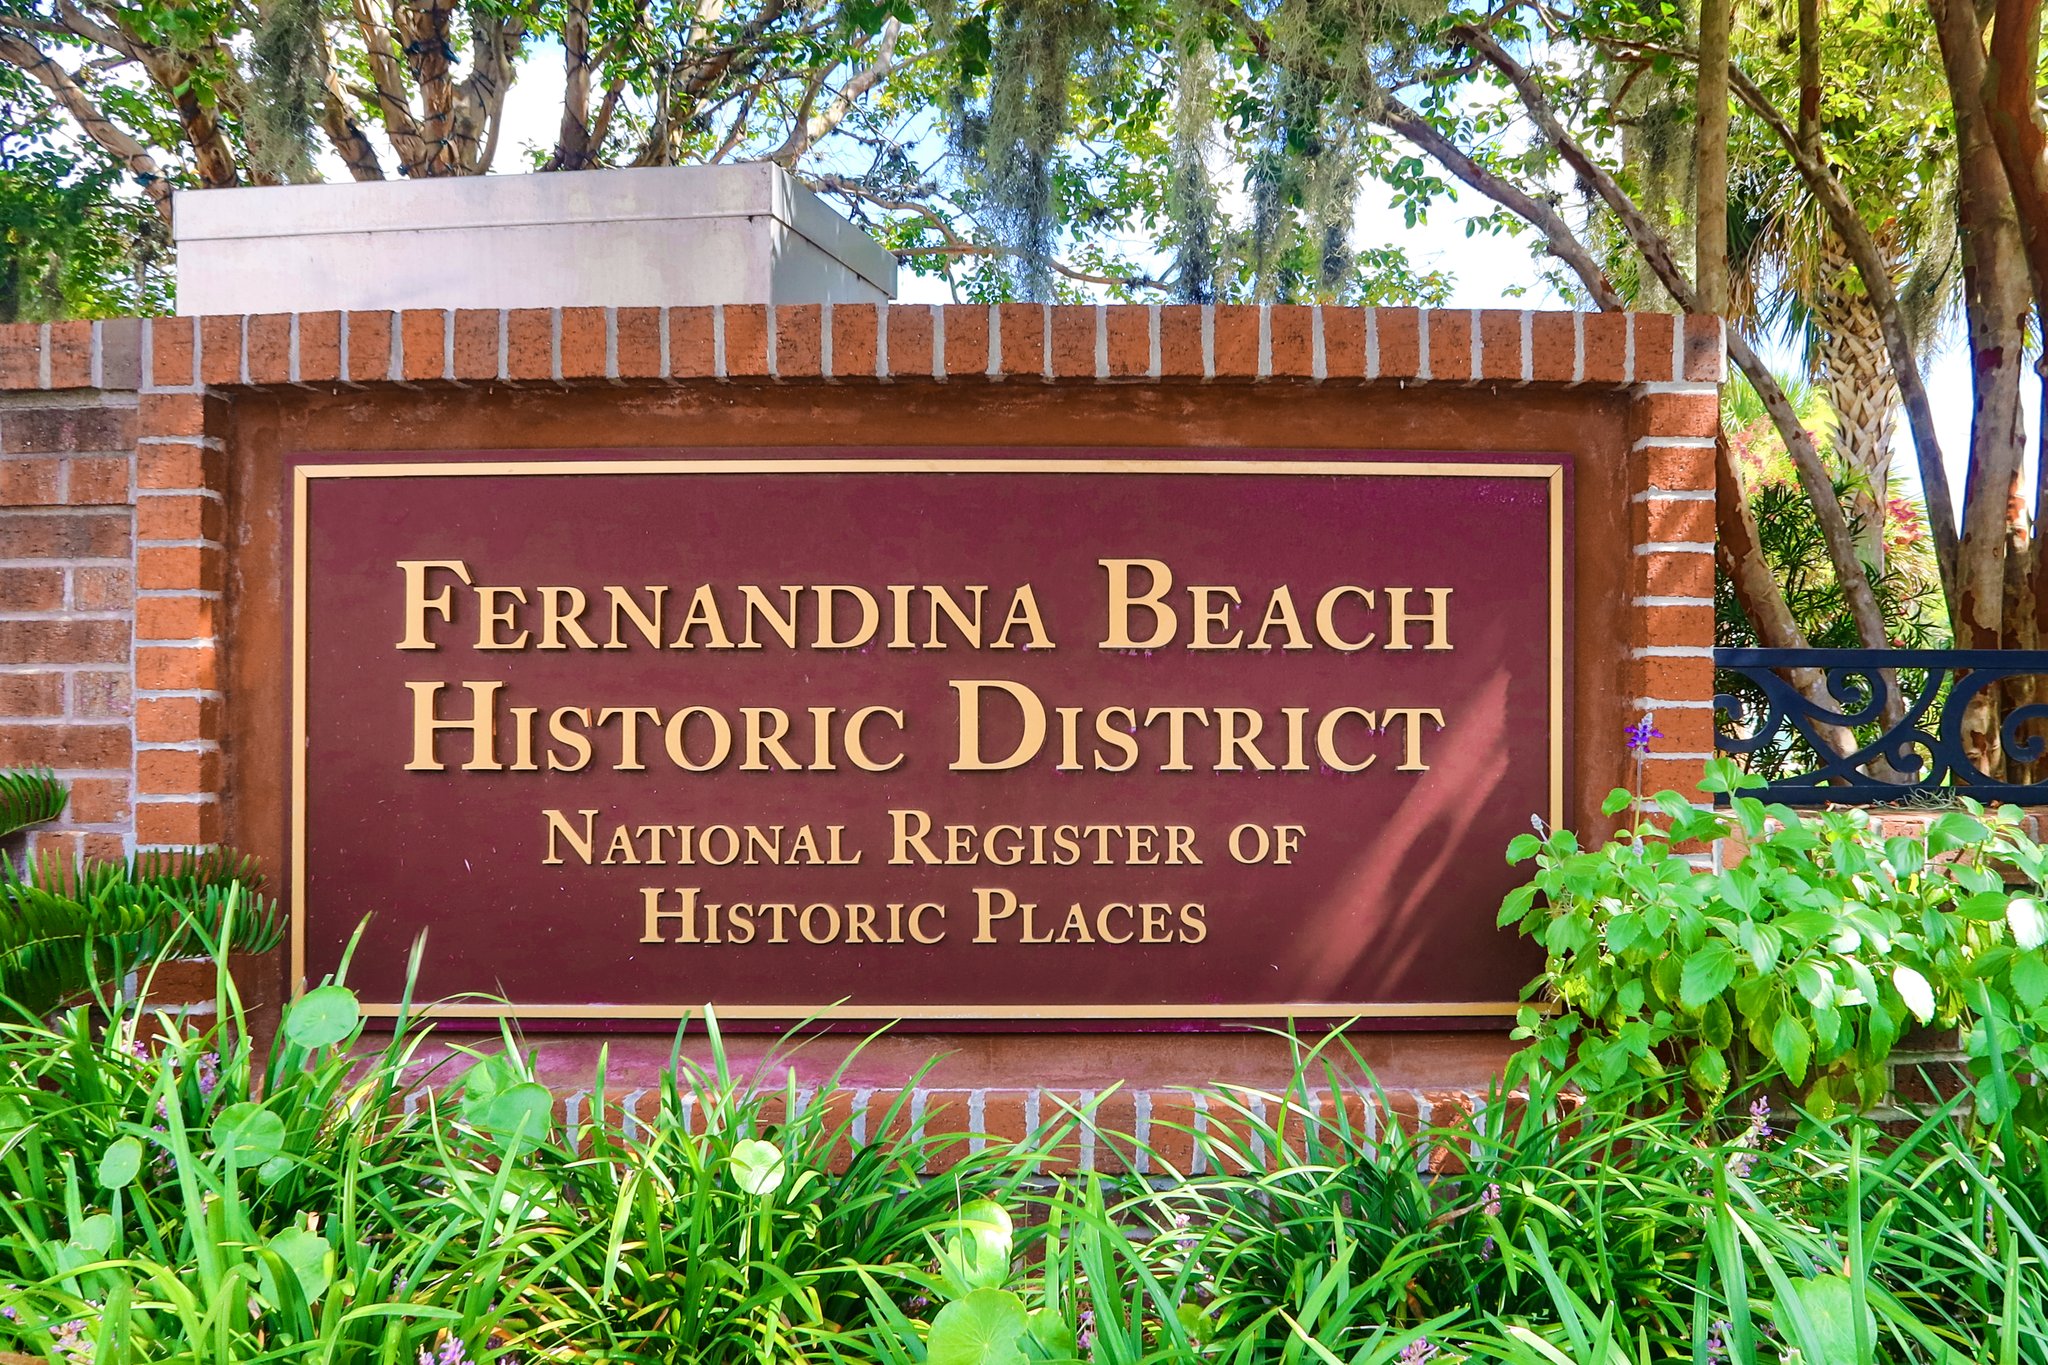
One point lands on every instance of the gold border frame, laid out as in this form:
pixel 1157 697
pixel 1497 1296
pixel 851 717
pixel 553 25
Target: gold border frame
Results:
pixel 304 474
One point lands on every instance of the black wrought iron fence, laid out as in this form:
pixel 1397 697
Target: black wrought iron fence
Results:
pixel 1970 722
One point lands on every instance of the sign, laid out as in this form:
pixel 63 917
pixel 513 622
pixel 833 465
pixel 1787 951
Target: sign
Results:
pixel 1012 736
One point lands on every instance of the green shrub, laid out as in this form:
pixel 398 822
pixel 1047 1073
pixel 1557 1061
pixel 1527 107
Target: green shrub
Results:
pixel 1811 957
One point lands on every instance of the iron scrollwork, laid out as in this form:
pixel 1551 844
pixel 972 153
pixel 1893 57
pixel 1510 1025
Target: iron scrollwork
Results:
pixel 1923 752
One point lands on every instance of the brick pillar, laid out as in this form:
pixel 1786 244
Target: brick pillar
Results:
pixel 1671 491
pixel 67 426
pixel 180 523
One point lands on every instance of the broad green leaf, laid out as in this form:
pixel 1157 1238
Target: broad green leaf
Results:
pixel 1613 803
pixel 523 1111
pixel 1953 829
pixel 977 1254
pixel 306 1253
pixel 121 1163
pixel 2029 927
pixel 1706 974
pixel 757 1166
pixel 94 1235
pixel 2030 979
pixel 1915 991
pixel 1792 1046
pixel 984 1328
pixel 252 1133
pixel 1826 1330
pixel 1523 846
pixel 322 1017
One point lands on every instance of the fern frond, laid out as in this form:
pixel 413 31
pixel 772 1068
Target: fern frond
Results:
pixel 29 798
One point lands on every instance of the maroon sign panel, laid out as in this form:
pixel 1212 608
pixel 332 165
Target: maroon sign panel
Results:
pixel 1031 738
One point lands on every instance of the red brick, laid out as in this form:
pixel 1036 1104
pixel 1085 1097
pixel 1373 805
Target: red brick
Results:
pixel 1236 341
pixel 21 355
pixel 177 822
pixel 1500 344
pixel 1116 1125
pixel 1056 1114
pixel 319 348
pixel 70 351
pixel 838 1116
pixel 1681 775
pixel 32 483
pixel 945 1118
pixel 178 414
pixel 883 1127
pixel 1678 468
pixel 1680 573
pixel 31 589
pixel 98 481
pixel 583 343
pixel 270 348
pixel 1450 344
pixel 692 343
pixel 1291 340
pixel 530 344
pixel 1681 626
pixel 1343 343
pixel 1073 341
pixel 98 800
pixel 176 618
pixel 746 340
pixel 1665 521
pixel 65 430
pixel 1685 677
pixel 476 343
pixel 1022 328
pixel 1705 349
pixel 103 696
pixel 1169 1135
pixel 1129 329
pixel 1180 342
pixel 176 720
pixel 910 340
pixel 1554 347
pixel 1004 1116
pixel 177 516
pixel 220 355
pixel 102 589
pixel 64 535
pixel 1656 343
pixel 423 343
pixel 1677 414
pixel 196 771
pixel 636 342
pixel 369 347
pixel 181 567
pixel 31 694
pixel 966 338
pixel 1398 332
pixel 800 341
pixel 177 669
pixel 1685 729
pixel 64 746
pixel 854 338
pixel 1606 348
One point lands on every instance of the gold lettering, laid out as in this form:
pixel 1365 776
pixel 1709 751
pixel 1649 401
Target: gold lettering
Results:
pixel 1326 618
pixel 583 846
pixel 418 604
pixel 495 616
pixel 1122 602
pixel 1030 708
pixel 1438 617
pixel 1411 748
pixel 482 726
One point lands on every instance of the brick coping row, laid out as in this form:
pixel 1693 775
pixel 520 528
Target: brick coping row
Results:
pixel 861 341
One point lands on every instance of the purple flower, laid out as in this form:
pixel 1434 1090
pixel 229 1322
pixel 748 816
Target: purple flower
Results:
pixel 1486 1250
pixel 1417 1352
pixel 1490 1201
pixel 1717 1350
pixel 1084 1331
pixel 452 1352
pixel 208 1074
pixel 1760 1121
pixel 1641 733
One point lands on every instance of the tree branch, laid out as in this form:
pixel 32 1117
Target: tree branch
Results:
pixel 18 51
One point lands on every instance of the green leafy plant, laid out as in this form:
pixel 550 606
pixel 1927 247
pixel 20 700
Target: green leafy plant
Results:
pixel 29 798
pixel 1809 957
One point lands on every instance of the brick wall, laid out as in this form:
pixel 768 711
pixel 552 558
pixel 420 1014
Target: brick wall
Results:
pixel 114 572
pixel 67 586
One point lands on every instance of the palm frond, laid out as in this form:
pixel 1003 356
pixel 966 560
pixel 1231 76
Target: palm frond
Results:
pixel 65 927
pixel 29 798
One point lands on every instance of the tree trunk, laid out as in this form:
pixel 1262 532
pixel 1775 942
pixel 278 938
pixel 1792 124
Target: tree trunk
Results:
pixel 1710 160
pixel 1856 374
